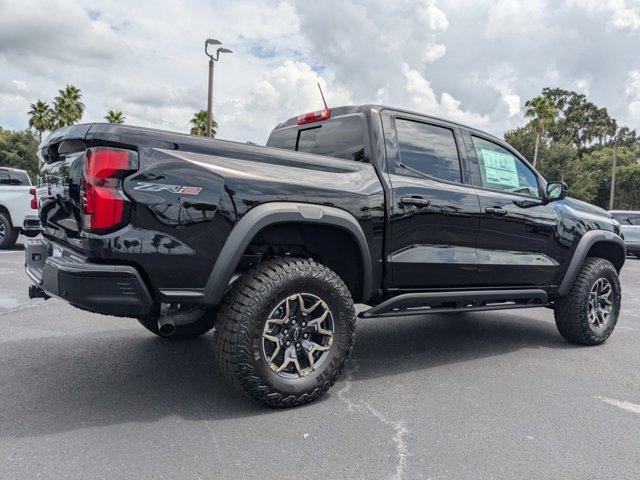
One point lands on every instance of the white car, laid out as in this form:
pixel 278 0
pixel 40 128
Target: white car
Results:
pixel 18 206
pixel 630 228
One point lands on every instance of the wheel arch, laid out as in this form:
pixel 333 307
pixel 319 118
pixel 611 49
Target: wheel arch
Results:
pixel 270 218
pixel 594 243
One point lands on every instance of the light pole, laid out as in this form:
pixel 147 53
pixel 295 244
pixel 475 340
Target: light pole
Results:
pixel 212 59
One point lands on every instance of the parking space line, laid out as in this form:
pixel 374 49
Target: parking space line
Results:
pixel 622 404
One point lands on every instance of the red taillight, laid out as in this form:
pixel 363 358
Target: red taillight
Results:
pixel 316 116
pixel 104 203
pixel 34 199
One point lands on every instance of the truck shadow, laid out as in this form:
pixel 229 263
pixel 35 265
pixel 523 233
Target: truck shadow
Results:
pixel 64 383
pixel 385 348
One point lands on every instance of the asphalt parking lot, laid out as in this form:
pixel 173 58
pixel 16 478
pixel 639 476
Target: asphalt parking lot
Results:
pixel 486 395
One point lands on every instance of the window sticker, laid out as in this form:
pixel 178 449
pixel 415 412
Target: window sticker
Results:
pixel 500 168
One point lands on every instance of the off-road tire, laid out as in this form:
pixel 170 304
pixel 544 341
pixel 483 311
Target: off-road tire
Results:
pixel 10 233
pixel 242 316
pixel 182 332
pixel 572 311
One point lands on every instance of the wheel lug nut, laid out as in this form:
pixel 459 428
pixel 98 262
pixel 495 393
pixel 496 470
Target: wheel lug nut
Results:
pixel 288 344
pixel 286 332
pixel 297 345
pixel 305 336
pixel 293 322
pixel 304 324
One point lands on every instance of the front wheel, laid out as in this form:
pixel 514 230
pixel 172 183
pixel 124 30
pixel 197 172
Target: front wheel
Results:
pixel 284 331
pixel 589 313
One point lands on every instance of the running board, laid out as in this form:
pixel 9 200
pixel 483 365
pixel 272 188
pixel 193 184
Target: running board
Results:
pixel 445 302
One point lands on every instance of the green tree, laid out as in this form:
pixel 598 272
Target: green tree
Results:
pixel 68 107
pixel 542 112
pixel 20 150
pixel 628 187
pixel 579 120
pixel 199 124
pixel 115 116
pixel 40 117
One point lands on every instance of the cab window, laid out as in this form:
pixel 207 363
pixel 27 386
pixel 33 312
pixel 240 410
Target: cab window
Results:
pixel 502 170
pixel 428 150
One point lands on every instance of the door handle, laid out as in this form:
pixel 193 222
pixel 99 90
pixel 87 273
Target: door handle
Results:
pixel 416 201
pixel 497 211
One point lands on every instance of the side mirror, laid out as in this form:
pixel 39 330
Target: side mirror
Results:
pixel 557 191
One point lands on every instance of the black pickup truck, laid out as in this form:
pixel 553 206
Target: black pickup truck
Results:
pixel 271 246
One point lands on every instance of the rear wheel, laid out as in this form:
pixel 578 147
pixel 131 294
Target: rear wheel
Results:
pixel 284 331
pixel 589 313
pixel 8 234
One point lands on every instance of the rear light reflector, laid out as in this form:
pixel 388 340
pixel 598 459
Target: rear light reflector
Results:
pixel 34 199
pixel 104 203
pixel 316 116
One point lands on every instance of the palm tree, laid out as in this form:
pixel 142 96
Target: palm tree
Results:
pixel 543 113
pixel 115 116
pixel 199 122
pixel 67 106
pixel 40 117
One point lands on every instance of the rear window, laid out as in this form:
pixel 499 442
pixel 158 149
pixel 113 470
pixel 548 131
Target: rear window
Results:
pixel 341 137
pixel 14 178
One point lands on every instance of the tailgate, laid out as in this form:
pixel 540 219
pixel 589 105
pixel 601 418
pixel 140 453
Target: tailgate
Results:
pixel 59 197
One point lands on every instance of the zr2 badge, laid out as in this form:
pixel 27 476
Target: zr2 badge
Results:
pixel 161 187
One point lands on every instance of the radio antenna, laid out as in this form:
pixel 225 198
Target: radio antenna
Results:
pixel 322 95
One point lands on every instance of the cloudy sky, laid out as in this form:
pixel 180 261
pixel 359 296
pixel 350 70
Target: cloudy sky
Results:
pixel 475 61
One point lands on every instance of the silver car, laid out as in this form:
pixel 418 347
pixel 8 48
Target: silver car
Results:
pixel 630 221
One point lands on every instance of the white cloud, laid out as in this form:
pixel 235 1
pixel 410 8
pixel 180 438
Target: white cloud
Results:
pixel 622 14
pixel 513 103
pixel 633 91
pixel 424 99
pixel 509 19
pixel 433 17
pixel 433 52
pixel 286 91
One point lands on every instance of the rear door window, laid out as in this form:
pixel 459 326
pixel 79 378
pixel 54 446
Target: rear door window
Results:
pixel 429 150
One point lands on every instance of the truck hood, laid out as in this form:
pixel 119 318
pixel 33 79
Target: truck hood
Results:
pixel 579 205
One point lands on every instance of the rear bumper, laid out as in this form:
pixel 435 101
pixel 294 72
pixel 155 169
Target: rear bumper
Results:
pixel 106 289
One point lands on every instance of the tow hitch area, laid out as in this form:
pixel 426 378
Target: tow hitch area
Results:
pixel 37 292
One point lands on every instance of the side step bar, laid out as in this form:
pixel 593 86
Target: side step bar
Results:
pixel 445 302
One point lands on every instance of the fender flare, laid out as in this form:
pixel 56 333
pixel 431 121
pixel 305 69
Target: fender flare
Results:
pixel 580 254
pixel 267 214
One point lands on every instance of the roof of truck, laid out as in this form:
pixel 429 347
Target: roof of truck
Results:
pixel 351 109
pixel 11 169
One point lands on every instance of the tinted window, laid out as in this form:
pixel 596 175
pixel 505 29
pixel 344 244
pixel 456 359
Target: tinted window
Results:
pixel 502 170
pixel 284 138
pixel 4 178
pixel 428 149
pixel 340 138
